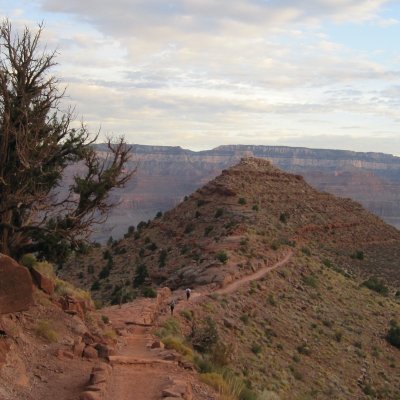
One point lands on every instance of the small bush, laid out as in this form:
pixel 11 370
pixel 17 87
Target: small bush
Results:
pixel 244 318
pixel 208 229
pixel 141 275
pixel 104 273
pixel 95 286
pixel 105 319
pixel 304 349
pixel 169 328
pixel 28 260
pixel 311 281
pixel 242 201
pixel 255 207
pixel 377 285
pixel 219 213
pixel 159 215
pixel 256 348
pixel 176 343
pixel 44 329
pixel 187 314
pixel 393 335
pixel 189 228
pixel 162 258
pixel 152 246
pixel 271 300
pixel 200 202
pixel 215 380
pixel 148 291
pixel 305 250
pixel 222 257
pixel 283 218
pixel 358 255
pixel 203 364
pixel 90 269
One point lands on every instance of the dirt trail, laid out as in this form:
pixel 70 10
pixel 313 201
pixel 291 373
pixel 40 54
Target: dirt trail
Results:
pixel 142 373
pixel 257 275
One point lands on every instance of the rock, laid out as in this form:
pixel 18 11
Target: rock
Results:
pixel 170 393
pixel 15 286
pixel 43 282
pixel 104 350
pixel 228 322
pixel 89 396
pixel 78 349
pixel 97 377
pixel 88 338
pixel 90 352
pixel 5 345
pixel 63 354
pixel 157 344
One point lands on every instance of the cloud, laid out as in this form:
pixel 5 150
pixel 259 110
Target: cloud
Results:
pixel 202 72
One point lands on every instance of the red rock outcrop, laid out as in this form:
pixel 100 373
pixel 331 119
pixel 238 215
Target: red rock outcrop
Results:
pixel 15 286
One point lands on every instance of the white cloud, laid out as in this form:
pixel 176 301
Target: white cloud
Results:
pixel 195 72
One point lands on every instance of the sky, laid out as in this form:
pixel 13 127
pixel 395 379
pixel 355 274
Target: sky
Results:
pixel 203 73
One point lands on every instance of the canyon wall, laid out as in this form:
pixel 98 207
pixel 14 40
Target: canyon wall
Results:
pixel 165 175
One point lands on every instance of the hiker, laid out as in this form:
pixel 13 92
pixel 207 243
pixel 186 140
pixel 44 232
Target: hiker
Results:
pixel 172 306
pixel 188 291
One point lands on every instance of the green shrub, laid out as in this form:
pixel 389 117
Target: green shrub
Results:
pixel 201 202
pixel 176 343
pixel 104 273
pixel 208 229
pixel 189 228
pixel 311 281
pixel 358 255
pixel 215 380
pixel 187 314
pixel 204 335
pixel 170 327
pixel 162 258
pixel 45 330
pixel 222 257
pixel 256 348
pixel 393 335
pixel 247 394
pixel 148 291
pixel 28 260
pixel 255 207
pixel 141 275
pixel 95 286
pixel 105 319
pixel 242 201
pixel 304 349
pixel 377 285
pixel 159 215
pixel 305 250
pixel 203 364
pixel 244 318
pixel 219 212
pixel 283 218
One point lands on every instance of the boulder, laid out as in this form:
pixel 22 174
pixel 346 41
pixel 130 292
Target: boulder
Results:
pixel 89 396
pixel 16 288
pixel 43 282
pixel 104 350
pixel 90 352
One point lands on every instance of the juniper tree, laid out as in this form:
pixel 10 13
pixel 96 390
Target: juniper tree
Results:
pixel 37 144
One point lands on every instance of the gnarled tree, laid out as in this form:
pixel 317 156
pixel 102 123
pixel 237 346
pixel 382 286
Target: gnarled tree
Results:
pixel 37 144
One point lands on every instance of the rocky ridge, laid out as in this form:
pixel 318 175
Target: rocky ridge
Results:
pixel 166 174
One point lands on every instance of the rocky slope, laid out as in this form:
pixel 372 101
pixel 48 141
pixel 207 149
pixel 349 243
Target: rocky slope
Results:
pixel 166 174
pixel 306 330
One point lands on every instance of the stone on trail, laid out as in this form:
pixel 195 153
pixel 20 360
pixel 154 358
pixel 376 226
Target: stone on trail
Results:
pixel 90 352
pixel 89 396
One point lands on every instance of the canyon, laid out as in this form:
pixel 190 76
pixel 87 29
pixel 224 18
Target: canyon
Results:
pixel 165 175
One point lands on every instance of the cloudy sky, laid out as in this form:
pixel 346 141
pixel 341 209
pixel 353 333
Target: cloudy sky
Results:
pixel 201 73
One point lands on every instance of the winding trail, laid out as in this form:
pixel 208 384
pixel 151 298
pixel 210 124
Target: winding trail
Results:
pixel 252 277
pixel 142 373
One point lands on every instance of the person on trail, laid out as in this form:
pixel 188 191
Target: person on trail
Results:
pixel 172 306
pixel 188 291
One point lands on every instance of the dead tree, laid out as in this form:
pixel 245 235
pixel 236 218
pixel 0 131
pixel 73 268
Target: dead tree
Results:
pixel 37 144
